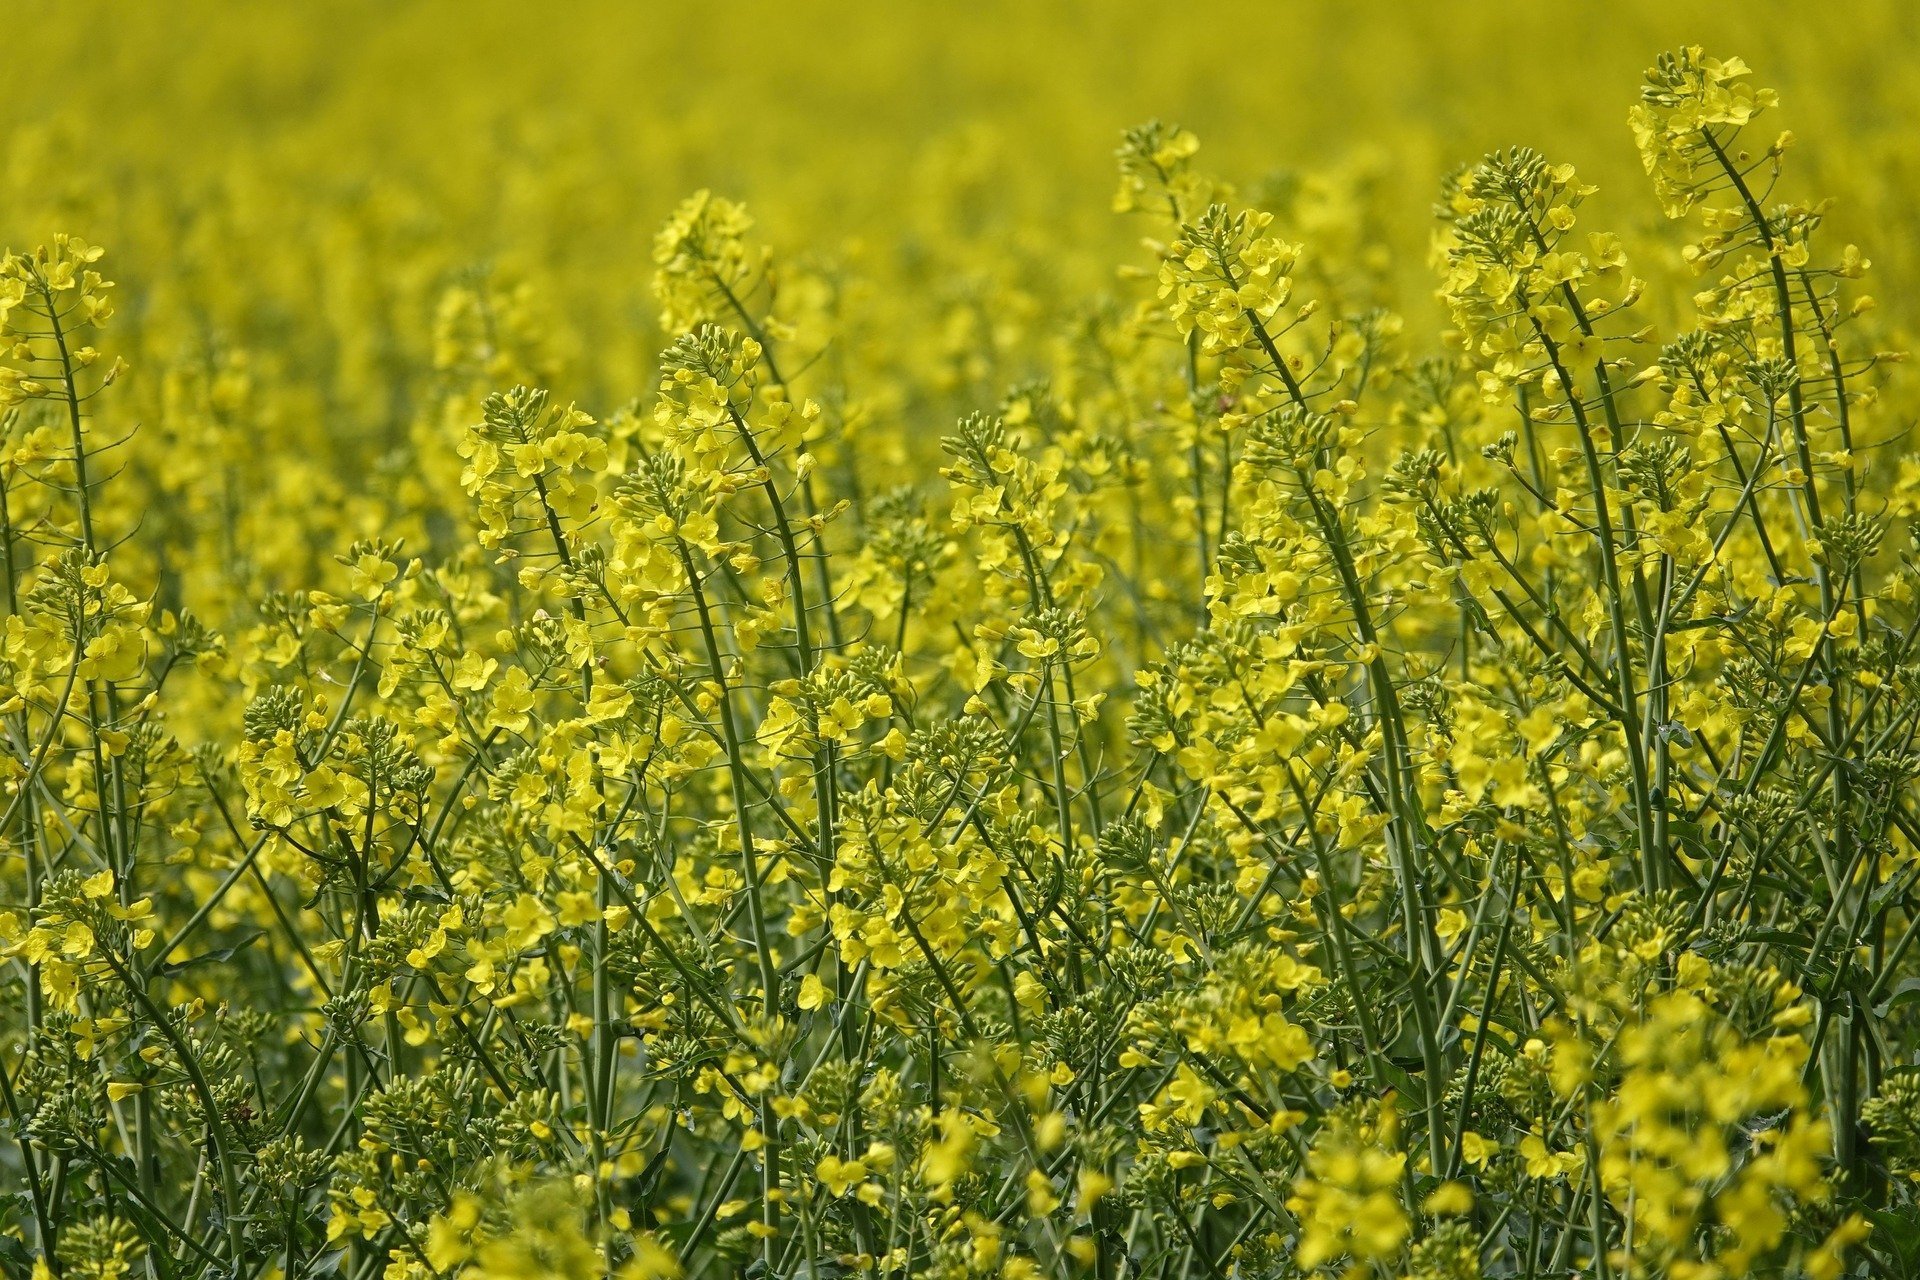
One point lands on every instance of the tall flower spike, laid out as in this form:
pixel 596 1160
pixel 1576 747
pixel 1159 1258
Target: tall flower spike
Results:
pixel 1691 105
pixel 704 263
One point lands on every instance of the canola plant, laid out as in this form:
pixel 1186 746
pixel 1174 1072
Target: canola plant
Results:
pixel 653 642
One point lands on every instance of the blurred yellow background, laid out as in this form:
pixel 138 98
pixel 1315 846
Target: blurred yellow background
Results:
pixel 289 191
pixel 565 133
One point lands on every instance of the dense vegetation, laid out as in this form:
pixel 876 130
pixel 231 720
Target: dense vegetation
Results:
pixel 806 759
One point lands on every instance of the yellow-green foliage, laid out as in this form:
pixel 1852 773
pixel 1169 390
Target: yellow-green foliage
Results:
pixel 703 640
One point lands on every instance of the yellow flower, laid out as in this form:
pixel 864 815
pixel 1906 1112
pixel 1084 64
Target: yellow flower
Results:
pixel 512 700
pixel 840 1176
pixel 813 992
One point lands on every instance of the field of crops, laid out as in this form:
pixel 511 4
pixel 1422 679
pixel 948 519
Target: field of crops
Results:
pixel 653 640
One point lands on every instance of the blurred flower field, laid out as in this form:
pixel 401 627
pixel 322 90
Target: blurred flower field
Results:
pixel 887 640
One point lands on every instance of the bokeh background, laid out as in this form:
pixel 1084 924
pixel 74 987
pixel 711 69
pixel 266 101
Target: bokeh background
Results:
pixel 289 191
